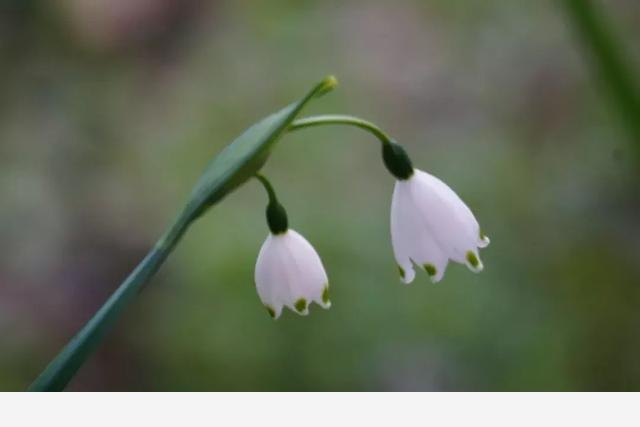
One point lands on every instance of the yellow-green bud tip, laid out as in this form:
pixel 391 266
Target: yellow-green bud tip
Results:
pixel 327 85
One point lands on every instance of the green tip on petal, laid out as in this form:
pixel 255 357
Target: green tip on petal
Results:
pixel 271 311
pixel 473 259
pixel 401 270
pixel 430 269
pixel 325 294
pixel 301 305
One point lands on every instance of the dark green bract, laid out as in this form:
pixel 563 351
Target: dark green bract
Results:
pixel 238 162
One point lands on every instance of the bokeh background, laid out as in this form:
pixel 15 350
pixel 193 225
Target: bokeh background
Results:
pixel 110 110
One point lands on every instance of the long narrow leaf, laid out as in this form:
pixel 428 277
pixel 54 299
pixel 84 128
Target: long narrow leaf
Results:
pixel 611 62
pixel 231 168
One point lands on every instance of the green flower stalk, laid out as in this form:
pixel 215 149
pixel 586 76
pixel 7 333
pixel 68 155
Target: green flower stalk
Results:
pixel 289 272
pixel 238 162
pixel 430 226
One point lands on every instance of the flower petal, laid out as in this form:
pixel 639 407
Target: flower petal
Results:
pixel 308 278
pixel 289 273
pixel 452 224
pixel 483 240
pixel 272 290
pixel 401 226
pixel 431 225
pixel 412 238
pixel 473 261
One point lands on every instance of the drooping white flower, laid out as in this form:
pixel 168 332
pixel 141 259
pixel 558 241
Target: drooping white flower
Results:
pixel 289 273
pixel 430 225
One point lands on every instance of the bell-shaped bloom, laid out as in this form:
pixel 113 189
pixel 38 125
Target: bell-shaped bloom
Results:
pixel 289 273
pixel 430 225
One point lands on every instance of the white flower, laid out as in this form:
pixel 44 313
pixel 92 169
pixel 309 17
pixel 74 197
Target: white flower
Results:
pixel 289 273
pixel 430 225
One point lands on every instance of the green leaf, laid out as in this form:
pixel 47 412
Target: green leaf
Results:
pixel 611 60
pixel 246 155
pixel 227 171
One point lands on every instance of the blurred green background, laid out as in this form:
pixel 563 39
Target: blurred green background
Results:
pixel 110 110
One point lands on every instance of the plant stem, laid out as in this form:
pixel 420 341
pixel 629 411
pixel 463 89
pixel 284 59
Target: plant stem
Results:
pixel 64 366
pixel 268 187
pixel 227 171
pixel 339 119
pixel 276 213
pixel 611 62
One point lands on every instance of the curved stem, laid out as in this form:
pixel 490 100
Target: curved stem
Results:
pixel 276 214
pixel 340 119
pixel 267 186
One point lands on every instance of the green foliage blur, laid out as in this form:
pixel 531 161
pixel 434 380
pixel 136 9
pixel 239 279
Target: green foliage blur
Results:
pixel 110 110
